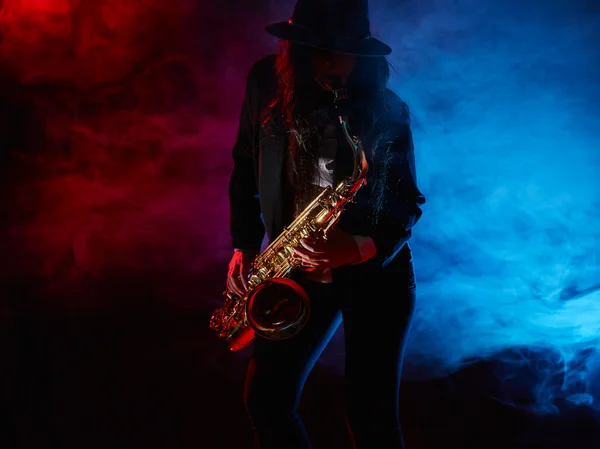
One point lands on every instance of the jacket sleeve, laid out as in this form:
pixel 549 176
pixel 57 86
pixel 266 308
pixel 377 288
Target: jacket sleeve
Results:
pixel 246 226
pixel 399 205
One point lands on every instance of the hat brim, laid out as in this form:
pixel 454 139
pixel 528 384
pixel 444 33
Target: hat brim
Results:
pixel 356 47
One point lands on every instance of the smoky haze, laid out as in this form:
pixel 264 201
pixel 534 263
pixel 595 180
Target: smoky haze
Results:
pixel 132 111
pixel 505 108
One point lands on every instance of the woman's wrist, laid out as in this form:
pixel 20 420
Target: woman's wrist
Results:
pixel 366 248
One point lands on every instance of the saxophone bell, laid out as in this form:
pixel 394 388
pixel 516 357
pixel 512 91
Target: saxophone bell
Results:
pixel 278 308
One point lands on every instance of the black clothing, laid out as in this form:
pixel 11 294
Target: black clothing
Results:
pixel 375 327
pixel 386 208
pixel 375 298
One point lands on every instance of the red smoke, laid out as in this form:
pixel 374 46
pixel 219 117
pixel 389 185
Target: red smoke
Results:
pixel 84 42
pixel 132 108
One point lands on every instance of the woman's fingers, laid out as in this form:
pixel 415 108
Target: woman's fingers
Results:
pixel 309 258
pixel 235 280
pixel 312 247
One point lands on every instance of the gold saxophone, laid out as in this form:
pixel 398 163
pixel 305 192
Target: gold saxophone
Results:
pixel 274 306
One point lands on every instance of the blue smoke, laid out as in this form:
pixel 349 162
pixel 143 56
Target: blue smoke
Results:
pixel 505 102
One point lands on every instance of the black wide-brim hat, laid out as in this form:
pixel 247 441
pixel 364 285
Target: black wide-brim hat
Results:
pixel 341 26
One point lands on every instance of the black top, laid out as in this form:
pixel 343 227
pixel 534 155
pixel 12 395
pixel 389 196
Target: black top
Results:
pixel 386 209
pixel 334 160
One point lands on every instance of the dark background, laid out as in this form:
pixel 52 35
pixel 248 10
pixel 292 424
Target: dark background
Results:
pixel 116 125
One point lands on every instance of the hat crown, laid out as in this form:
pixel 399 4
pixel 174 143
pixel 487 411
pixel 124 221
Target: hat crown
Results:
pixel 347 19
pixel 341 26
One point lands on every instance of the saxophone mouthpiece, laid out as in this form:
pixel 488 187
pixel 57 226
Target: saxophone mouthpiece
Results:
pixel 336 83
pixel 339 94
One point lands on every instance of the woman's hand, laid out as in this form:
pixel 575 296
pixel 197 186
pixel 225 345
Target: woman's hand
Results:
pixel 239 268
pixel 338 250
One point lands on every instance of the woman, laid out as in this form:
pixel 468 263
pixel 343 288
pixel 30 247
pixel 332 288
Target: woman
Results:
pixel 288 148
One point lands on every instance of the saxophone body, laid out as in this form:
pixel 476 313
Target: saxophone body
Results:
pixel 274 306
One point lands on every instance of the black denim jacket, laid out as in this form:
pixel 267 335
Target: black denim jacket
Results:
pixel 386 209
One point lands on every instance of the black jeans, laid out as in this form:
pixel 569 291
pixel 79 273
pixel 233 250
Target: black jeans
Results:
pixel 376 309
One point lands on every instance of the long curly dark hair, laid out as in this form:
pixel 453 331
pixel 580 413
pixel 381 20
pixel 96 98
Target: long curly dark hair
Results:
pixel 295 103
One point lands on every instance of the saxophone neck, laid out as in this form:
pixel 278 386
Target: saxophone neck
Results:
pixel 360 161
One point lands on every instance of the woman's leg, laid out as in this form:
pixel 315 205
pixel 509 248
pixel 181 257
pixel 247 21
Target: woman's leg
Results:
pixel 375 329
pixel 278 370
